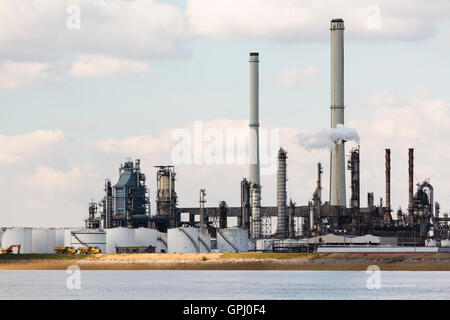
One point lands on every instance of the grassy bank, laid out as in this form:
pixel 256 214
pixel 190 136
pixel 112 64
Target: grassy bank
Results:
pixel 230 261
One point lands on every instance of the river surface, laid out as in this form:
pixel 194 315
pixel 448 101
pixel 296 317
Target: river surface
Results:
pixel 224 285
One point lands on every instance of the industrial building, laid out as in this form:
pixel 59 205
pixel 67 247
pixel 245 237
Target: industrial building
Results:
pixel 317 218
pixel 122 219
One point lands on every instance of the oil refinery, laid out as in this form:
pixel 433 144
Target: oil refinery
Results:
pixel 122 221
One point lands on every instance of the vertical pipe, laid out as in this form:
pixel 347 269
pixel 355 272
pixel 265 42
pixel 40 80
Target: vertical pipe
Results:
pixel 291 219
pixel 388 179
pixel 202 209
pixel 281 195
pixel 254 118
pixel 337 165
pixel 108 204
pixel 353 166
pixel 223 214
pixel 255 196
pixel 311 216
pixel 319 182
pixel 410 183
pixel 243 222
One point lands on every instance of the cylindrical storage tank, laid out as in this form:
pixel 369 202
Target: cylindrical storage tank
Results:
pixel 59 238
pixel 145 237
pixel 17 236
pixel 204 242
pixel 39 240
pixel 119 237
pixel 232 240
pixel 161 244
pixel 68 236
pixel 183 240
pixel 88 238
pixel 264 245
pixel 51 240
pixel 252 245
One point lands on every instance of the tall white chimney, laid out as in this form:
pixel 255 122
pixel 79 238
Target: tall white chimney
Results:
pixel 254 118
pixel 337 163
pixel 255 187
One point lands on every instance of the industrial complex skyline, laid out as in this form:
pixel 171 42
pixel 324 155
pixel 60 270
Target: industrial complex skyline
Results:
pixel 73 110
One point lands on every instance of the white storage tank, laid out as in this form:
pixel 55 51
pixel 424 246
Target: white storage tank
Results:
pixel 40 241
pixel 161 244
pixel 251 245
pixel 15 236
pixel 119 237
pixel 88 238
pixel 232 240
pixel 187 240
pixel 59 237
pixel 145 237
pixel 68 236
pixel 264 245
pixel 51 240
pixel 205 242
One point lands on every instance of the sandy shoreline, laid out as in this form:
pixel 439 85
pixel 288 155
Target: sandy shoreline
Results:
pixel 233 261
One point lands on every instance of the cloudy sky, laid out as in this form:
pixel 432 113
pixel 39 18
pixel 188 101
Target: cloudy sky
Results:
pixel 86 84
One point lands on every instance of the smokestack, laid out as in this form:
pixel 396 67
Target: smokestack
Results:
pixel 108 204
pixel 243 220
pixel 282 226
pixel 354 167
pixel 255 188
pixel 254 118
pixel 223 213
pixel 337 163
pixel 388 179
pixel 411 183
pixel 291 219
pixel 202 210
pixel 387 215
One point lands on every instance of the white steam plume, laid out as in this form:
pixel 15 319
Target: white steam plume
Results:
pixel 326 138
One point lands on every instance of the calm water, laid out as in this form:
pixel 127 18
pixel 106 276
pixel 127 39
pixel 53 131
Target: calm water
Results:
pixel 224 285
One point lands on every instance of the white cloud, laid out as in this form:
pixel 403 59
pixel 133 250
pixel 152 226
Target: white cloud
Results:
pixel 49 179
pixel 19 74
pixel 19 148
pixel 291 77
pixel 292 20
pixel 129 29
pixel 118 37
pixel 420 122
pixel 103 66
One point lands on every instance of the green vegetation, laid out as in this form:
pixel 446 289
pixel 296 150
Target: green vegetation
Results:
pixel 204 258
pixel 43 256
pixel 269 255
